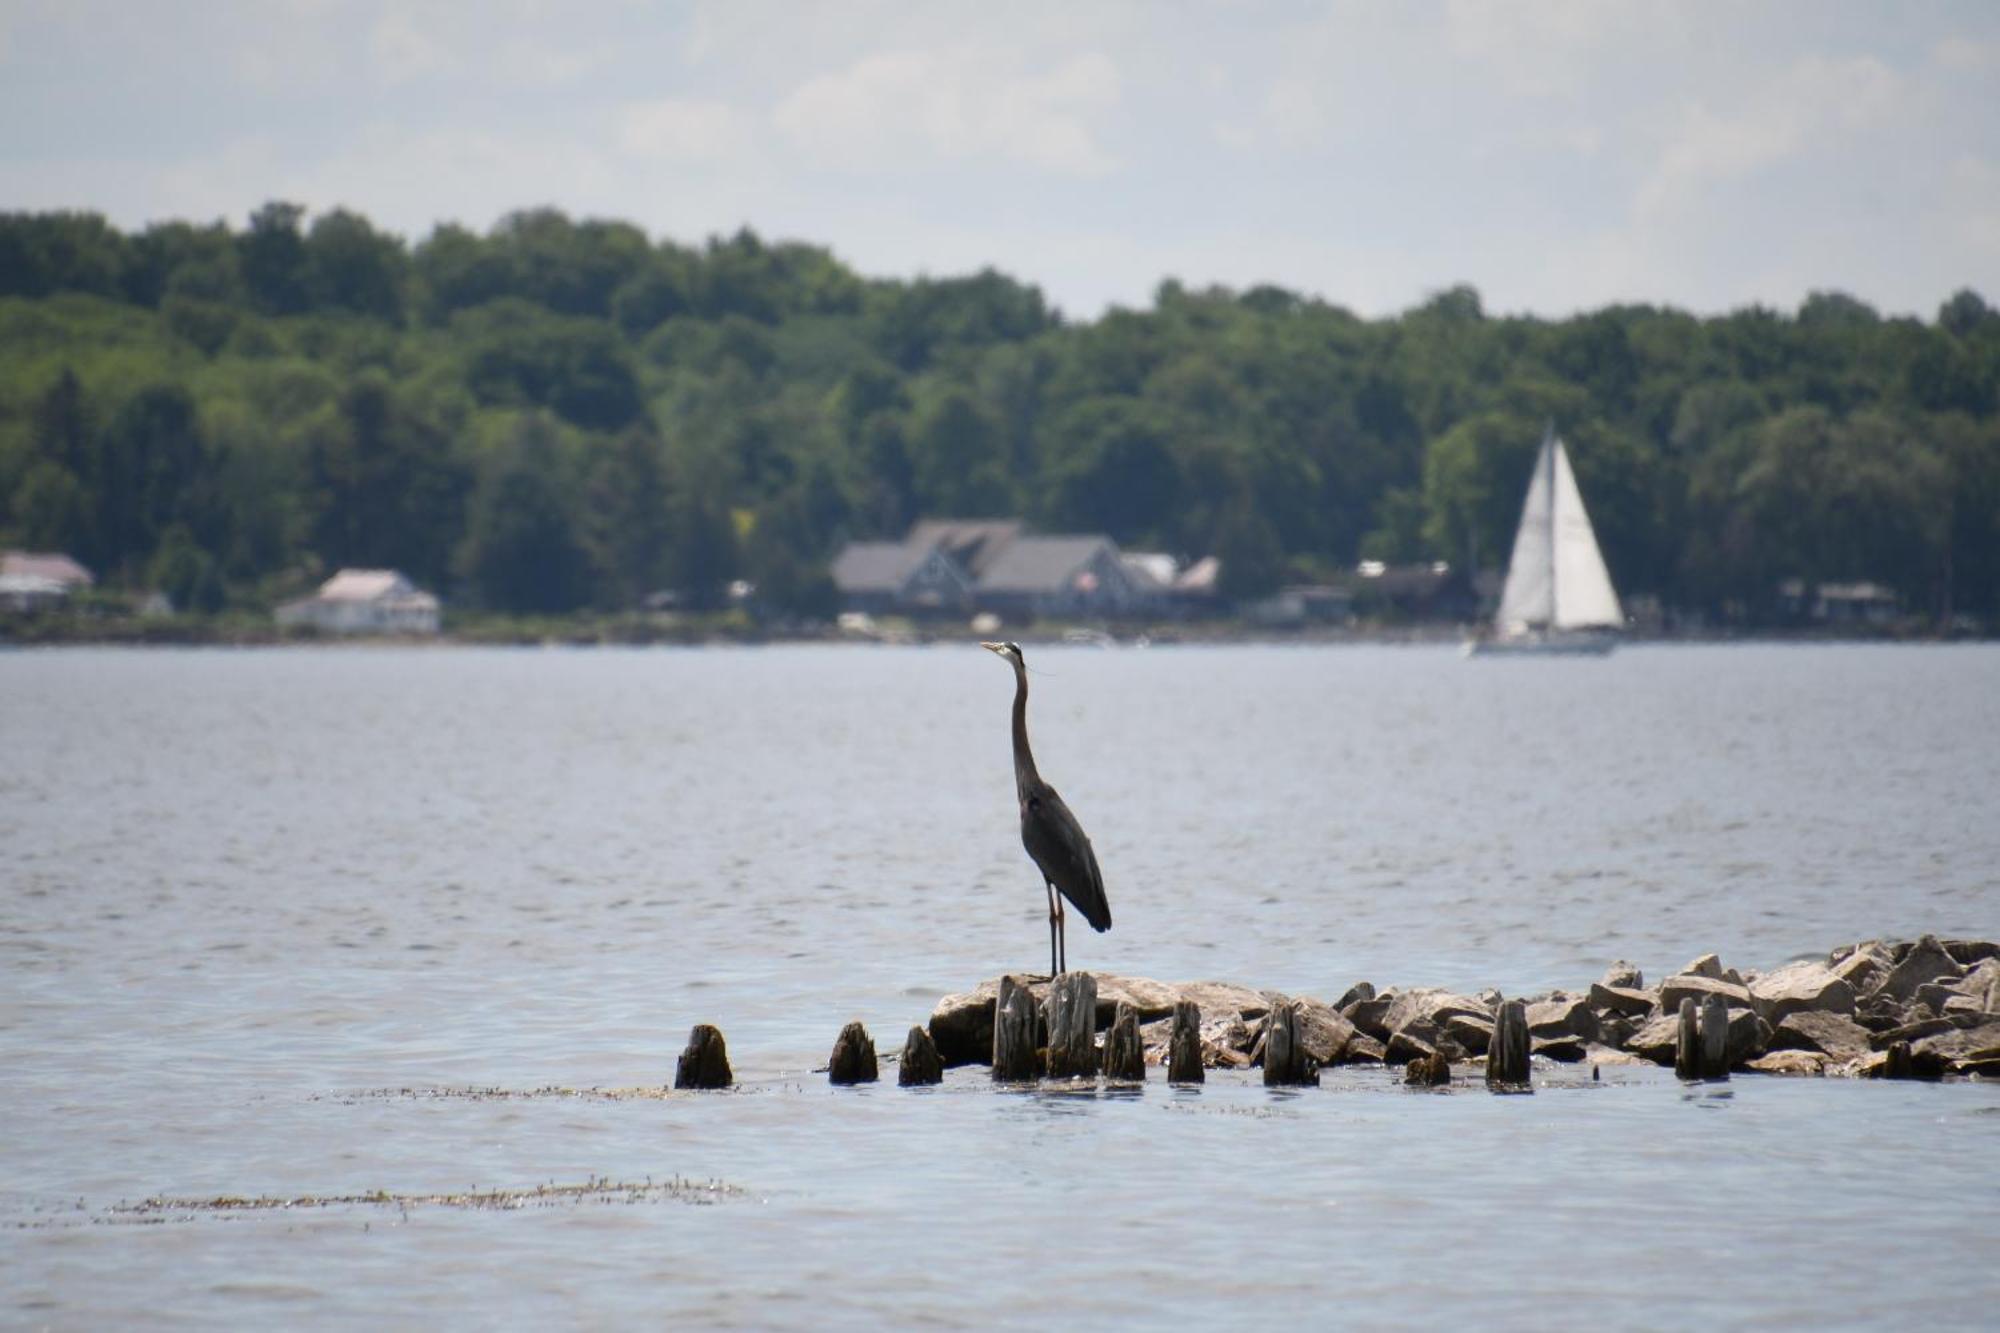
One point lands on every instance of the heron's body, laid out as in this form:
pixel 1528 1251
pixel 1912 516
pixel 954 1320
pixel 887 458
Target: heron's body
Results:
pixel 1054 839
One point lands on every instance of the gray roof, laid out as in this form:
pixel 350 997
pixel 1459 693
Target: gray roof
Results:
pixel 974 542
pixel 1040 564
pixel 877 566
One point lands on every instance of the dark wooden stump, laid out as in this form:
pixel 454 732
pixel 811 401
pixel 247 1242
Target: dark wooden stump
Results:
pixel 1715 1037
pixel 1507 1050
pixel 1428 1071
pixel 1124 1053
pixel 1896 1061
pixel 1687 1041
pixel 853 1056
pixel 1286 1063
pixel 919 1064
pixel 1073 1026
pixel 705 1062
pixel 1184 1044
pixel 1014 1059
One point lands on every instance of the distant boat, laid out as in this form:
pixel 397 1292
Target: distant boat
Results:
pixel 1558 597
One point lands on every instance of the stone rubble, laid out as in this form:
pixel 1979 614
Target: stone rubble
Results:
pixel 1934 1003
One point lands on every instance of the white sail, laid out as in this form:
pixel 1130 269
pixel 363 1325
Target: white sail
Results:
pixel 1556 579
pixel 1583 594
pixel 1529 597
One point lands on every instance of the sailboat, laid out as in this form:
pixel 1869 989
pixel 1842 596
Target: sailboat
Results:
pixel 1558 597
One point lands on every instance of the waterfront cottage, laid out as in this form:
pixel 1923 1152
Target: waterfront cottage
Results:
pixel 365 601
pixel 37 580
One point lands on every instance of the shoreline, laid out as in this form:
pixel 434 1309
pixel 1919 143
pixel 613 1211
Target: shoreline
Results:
pixel 727 631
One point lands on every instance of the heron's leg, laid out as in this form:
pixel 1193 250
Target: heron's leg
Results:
pixel 1055 968
pixel 1062 934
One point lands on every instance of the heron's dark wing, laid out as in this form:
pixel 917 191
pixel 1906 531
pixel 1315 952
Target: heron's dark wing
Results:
pixel 1058 844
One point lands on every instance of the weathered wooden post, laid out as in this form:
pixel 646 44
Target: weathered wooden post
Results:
pixel 1428 1071
pixel 1687 1042
pixel 1715 1037
pixel 1072 1009
pixel 1014 1034
pixel 1184 1044
pixel 1286 1063
pixel 705 1062
pixel 919 1064
pixel 1124 1053
pixel 853 1056
pixel 1507 1051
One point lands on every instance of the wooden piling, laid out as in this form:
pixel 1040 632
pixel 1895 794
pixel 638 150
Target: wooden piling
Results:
pixel 1184 1044
pixel 1014 1034
pixel 919 1065
pixel 1428 1071
pixel 1124 1053
pixel 1072 1009
pixel 705 1062
pixel 1286 1063
pixel 1715 1037
pixel 853 1056
pixel 1507 1049
pixel 1687 1042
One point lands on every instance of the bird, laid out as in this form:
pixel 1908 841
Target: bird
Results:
pixel 1056 842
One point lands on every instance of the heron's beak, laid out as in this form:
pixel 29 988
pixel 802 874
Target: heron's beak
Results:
pixel 999 648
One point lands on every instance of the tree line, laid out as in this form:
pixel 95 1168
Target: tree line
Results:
pixel 560 414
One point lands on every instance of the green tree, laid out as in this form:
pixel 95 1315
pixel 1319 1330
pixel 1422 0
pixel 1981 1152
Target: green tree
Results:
pixel 522 551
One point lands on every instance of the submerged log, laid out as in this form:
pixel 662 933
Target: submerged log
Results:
pixel 920 1064
pixel 1184 1044
pixel 1286 1063
pixel 1507 1053
pixel 1014 1057
pixel 705 1062
pixel 1072 1009
pixel 853 1057
pixel 1124 1056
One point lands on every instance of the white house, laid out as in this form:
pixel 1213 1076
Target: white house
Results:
pixel 37 580
pixel 365 601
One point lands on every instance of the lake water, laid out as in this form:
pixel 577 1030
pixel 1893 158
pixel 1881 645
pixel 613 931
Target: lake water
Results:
pixel 270 919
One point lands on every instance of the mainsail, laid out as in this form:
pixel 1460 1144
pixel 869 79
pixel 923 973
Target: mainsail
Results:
pixel 1556 578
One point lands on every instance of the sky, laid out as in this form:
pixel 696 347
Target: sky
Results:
pixel 1557 156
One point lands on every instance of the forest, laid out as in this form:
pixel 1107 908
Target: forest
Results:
pixel 562 415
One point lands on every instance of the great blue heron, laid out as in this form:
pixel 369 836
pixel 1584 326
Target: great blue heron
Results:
pixel 1049 831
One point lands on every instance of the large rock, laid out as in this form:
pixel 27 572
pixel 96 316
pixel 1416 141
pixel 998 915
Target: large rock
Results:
pixel 1424 1013
pixel 1968 952
pixel 1472 1032
pixel 1322 1031
pixel 1834 1035
pixel 1622 975
pixel 1708 965
pixel 1959 1047
pixel 1656 1039
pixel 1700 986
pixel 1749 1037
pixel 1926 961
pixel 1626 1000
pixel 1563 1016
pixel 1861 966
pixel 1800 986
pixel 1793 1062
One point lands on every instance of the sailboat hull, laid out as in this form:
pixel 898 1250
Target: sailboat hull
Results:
pixel 1552 643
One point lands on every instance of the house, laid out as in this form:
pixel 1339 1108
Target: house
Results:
pixel 878 577
pixel 1838 603
pixel 1059 576
pixel 365 601
pixel 975 543
pixel 38 580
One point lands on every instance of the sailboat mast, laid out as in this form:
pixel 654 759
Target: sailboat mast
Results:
pixel 1546 469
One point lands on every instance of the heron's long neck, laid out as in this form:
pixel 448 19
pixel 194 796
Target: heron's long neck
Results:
pixel 1024 758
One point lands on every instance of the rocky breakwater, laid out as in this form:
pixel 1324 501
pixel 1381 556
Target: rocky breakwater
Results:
pixel 1925 1008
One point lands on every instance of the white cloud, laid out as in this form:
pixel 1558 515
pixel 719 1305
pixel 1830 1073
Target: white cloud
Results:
pixel 1963 55
pixel 1816 99
pixel 680 130
pixel 399 51
pixel 953 105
